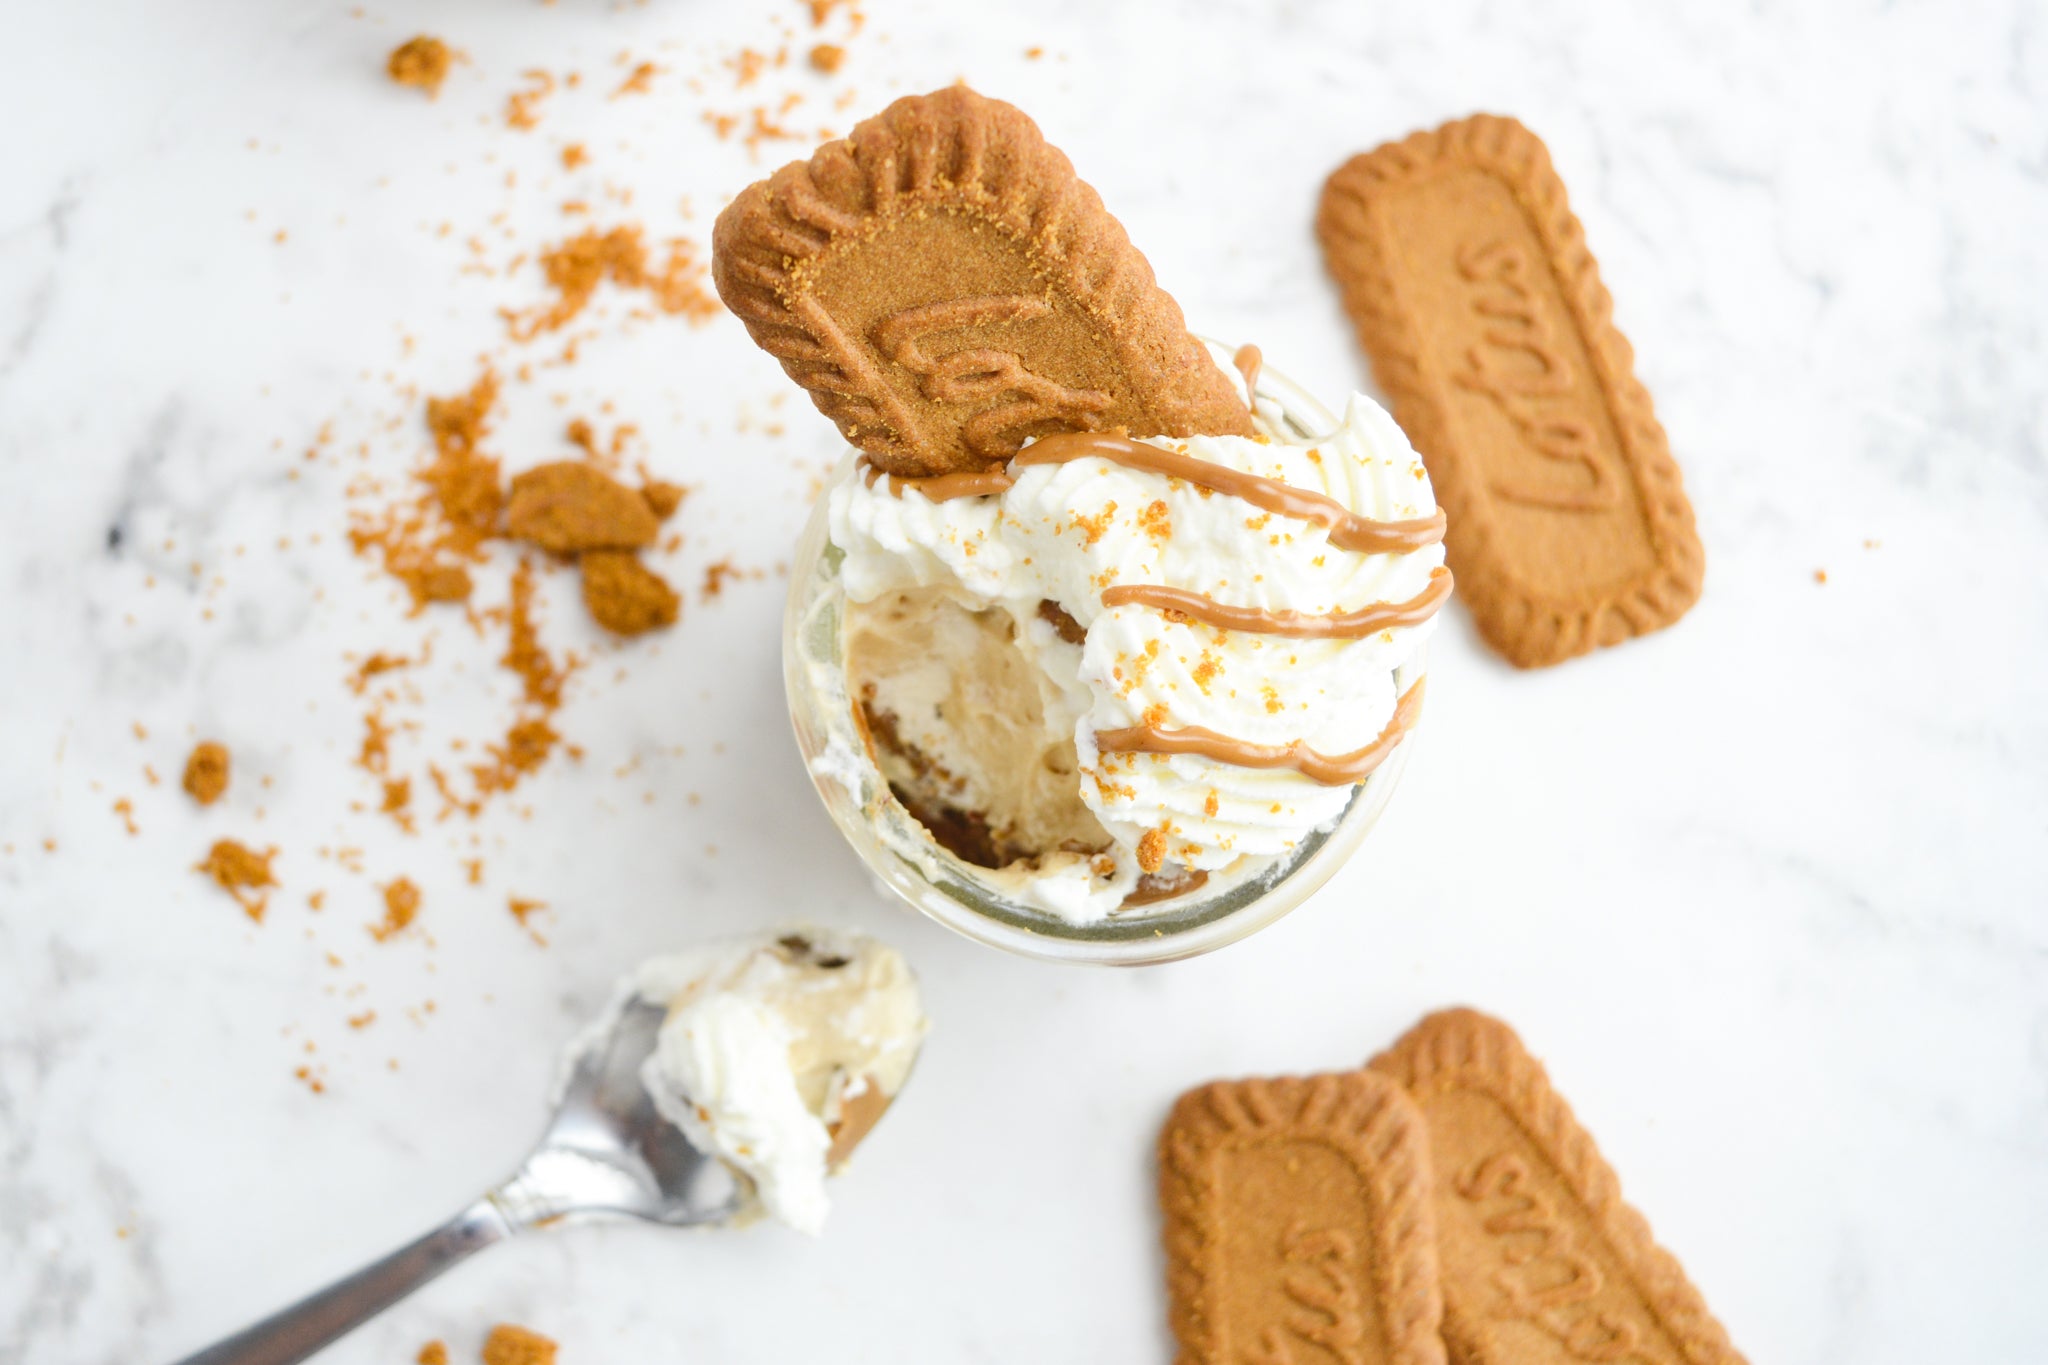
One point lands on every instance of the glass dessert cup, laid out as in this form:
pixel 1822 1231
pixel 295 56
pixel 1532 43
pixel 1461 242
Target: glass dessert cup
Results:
pixel 899 850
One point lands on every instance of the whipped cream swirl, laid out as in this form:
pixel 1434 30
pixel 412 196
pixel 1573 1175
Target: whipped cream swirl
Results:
pixel 1067 532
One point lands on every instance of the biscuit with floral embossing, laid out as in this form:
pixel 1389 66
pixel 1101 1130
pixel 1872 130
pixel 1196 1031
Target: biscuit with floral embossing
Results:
pixel 1298 1224
pixel 1542 1262
pixel 1467 276
pixel 946 288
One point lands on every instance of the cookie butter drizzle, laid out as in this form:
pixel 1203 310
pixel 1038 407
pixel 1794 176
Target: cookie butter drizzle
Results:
pixel 1249 360
pixel 1298 625
pixel 1332 770
pixel 939 487
pixel 1347 531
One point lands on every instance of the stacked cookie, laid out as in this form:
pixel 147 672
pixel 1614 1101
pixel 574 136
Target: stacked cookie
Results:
pixel 1440 1204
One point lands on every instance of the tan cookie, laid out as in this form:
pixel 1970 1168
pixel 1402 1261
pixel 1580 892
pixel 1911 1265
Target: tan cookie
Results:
pixel 1298 1224
pixel 946 287
pixel 1541 1260
pixel 1483 313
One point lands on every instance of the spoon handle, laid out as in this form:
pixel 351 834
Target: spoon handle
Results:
pixel 291 1335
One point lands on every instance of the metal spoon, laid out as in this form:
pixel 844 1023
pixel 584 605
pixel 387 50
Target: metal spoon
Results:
pixel 605 1155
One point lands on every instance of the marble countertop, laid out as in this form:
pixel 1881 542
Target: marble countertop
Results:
pixel 1766 891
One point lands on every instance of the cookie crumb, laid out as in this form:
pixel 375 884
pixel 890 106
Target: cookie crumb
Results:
pixel 625 596
pixel 568 506
pixel 401 907
pixel 1152 850
pixel 433 1353
pixel 1820 576
pixel 828 57
pixel 206 772
pixel 421 63
pixel 509 1345
pixel 640 81
pixel 241 872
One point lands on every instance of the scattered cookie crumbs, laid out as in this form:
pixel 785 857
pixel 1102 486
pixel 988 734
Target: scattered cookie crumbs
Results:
pixel 509 1345
pixel 525 748
pixel 424 542
pixel 126 810
pixel 716 575
pixel 433 536
pixel 624 595
pixel 539 674
pixel 747 65
pixel 433 1353
pixel 1032 54
pixel 1820 576
pixel 569 506
pixel 363 1020
pixel 313 1082
pixel 206 772
pixel 241 872
pixel 576 267
pixel 421 63
pixel 522 107
pixel 401 907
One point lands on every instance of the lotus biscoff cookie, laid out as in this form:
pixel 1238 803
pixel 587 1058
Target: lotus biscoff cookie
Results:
pixel 1541 1261
pixel 945 288
pixel 1468 279
pixel 1297 1223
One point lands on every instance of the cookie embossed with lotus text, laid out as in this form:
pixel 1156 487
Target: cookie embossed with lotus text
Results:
pixel 1298 1224
pixel 1468 278
pixel 946 288
pixel 1541 1261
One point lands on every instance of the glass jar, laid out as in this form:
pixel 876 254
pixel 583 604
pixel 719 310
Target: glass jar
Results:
pixel 898 850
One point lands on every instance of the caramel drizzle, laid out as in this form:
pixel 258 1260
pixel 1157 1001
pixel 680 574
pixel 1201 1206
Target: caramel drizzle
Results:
pixel 1249 360
pixel 1299 625
pixel 1331 770
pixel 1348 530
pixel 940 487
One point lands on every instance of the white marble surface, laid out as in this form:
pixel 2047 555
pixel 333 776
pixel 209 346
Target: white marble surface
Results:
pixel 1767 890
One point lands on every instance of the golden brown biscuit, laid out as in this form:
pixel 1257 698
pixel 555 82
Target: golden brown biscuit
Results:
pixel 946 287
pixel 1298 1224
pixel 1469 281
pixel 1541 1260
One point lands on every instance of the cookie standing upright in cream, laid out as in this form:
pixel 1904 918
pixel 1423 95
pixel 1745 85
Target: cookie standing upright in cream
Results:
pixel 1121 642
